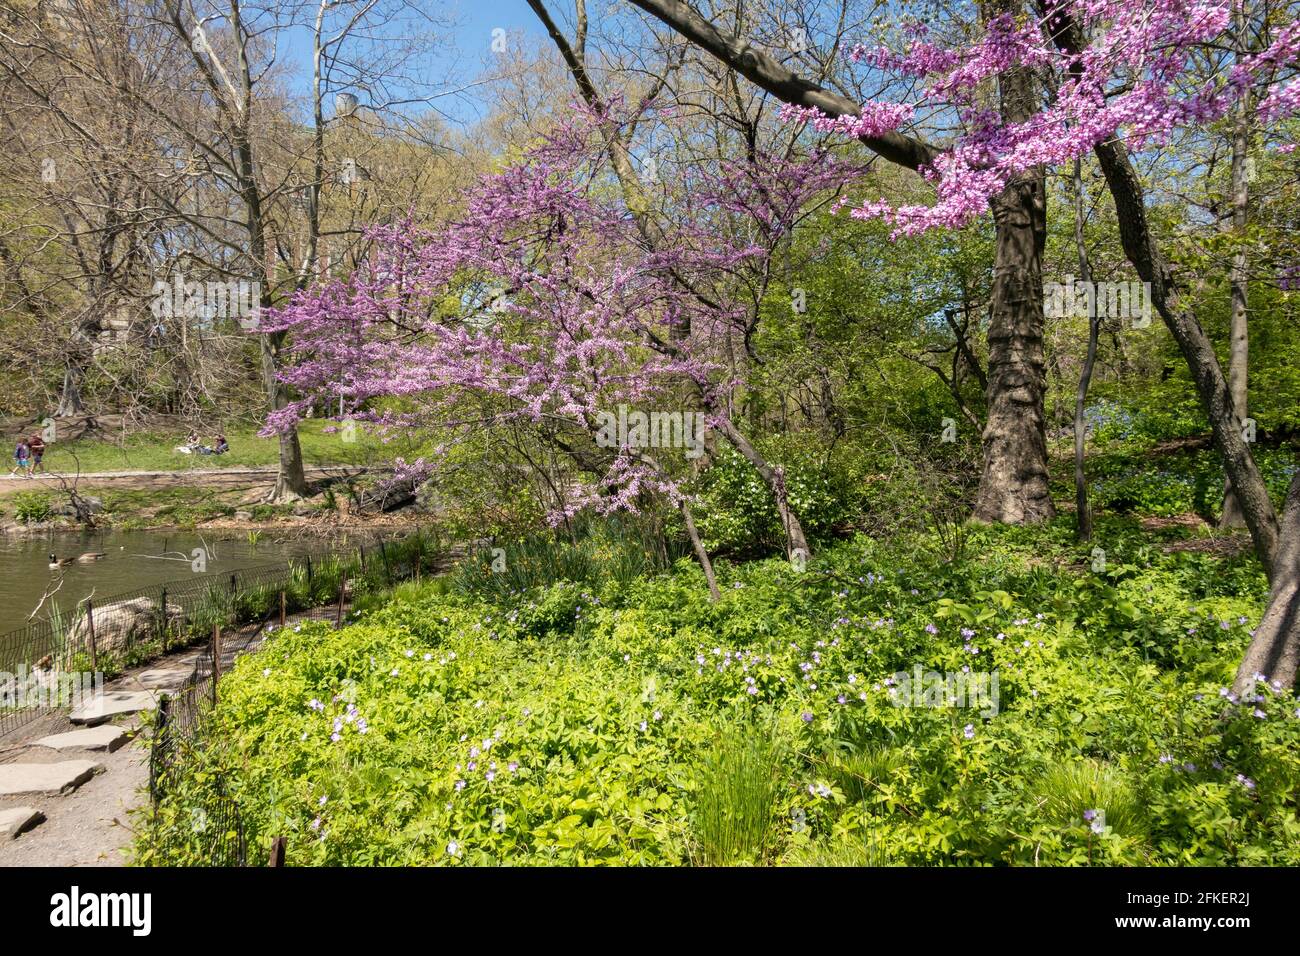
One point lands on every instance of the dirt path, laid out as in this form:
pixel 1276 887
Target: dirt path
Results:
pixel 155 480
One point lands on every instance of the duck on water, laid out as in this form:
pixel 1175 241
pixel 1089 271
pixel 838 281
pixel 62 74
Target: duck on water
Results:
pixel 86 558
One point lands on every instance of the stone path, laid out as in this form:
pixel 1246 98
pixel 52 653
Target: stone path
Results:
pixel 68 782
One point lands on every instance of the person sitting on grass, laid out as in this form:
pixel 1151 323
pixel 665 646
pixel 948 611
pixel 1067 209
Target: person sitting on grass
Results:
pixel 192 445
pixel 221 446
pixel 22 455
pixel 36 444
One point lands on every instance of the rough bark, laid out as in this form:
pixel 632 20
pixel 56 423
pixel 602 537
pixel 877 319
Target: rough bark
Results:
pixel 1207 375
pixel 70 402
pixel 1274 650
pixel 1013 487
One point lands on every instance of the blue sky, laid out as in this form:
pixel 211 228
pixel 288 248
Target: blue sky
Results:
pixel 470 41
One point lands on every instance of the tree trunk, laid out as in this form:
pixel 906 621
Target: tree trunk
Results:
pixel 291 481
pixel 70 402
pixel 1239 336
pixel 1211 387
pixel 1274 650
pixel 774 478
pixel 1014 484
pixel 1013 487
pixel 701 555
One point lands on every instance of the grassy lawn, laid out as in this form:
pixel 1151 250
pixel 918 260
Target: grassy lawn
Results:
pixel 156 451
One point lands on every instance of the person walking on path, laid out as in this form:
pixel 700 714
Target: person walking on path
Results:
pixel 22 455
pixel 36 444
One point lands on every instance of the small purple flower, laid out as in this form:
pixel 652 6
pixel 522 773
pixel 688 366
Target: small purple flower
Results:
pixel 969 732
pixel 806 717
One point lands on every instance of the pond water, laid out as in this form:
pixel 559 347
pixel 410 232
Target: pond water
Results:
pixel 132 559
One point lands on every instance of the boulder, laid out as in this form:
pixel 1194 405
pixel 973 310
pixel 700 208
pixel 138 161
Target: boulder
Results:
pixel 66 509
pixel 389 495
pixel 119 625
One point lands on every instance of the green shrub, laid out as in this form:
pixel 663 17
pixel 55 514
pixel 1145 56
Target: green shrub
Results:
pixel 32 506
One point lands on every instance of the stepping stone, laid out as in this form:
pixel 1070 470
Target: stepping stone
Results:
pixel 105 737
pixel 52 778
pixel 111 704
pixel 165 678
pixel 19 820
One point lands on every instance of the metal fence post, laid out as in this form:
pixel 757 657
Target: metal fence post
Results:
pixel 216 660
pixel 90 626
pixel 158 748
pixel 282 607
pixel 162 620
pixel 343 586
pixel 278 846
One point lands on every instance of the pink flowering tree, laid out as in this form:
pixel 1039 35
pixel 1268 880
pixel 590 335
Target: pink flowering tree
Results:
pixel 544 299
pixel 1117 75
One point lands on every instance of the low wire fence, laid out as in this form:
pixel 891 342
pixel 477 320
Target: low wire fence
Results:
pixel 106 636
pixel 200 822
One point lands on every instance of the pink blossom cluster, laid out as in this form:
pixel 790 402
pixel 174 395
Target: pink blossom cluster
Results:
pixel 543 303
pixel 1130 79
